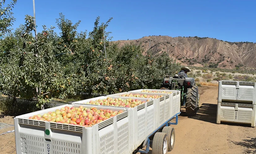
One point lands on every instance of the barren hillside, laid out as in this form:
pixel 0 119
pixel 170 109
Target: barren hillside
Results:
pixel 198 51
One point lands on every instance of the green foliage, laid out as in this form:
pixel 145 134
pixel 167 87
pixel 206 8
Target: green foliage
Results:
pixel 18 107
pixel 66 66
pixel 197 80
pixel 6 18
pixel 230 76
pixel 68 30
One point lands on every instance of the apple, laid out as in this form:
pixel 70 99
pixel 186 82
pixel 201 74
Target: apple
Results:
pixel 80 115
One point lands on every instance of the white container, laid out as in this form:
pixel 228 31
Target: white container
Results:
pixel 161 106
pixel 109 136
pixel 142 118
pixel 175 103
pixel 173 99
pixel 237 91
pixel 236 112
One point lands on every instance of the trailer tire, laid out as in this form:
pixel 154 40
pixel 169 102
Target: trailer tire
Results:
pixel 170 136
pixel 160 143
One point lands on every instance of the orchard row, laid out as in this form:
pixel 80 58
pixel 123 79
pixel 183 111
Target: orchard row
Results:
pixel 72 63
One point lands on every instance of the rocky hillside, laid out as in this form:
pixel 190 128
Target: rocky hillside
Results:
pixel 200 52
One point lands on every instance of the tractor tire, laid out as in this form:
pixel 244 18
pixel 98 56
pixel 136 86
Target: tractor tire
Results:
pixel 192 105
pixel 159 143
pixel 170 136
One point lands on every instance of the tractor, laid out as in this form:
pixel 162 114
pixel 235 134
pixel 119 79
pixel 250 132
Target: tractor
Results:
pixel 189 92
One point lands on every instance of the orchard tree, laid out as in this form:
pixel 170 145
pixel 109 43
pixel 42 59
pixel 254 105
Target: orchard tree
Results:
pixel 32 71
pixel 6 18
pixel 129 63
pixel 92 58
pixel 68 30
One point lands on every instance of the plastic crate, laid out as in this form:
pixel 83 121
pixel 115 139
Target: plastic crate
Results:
pixel 237 91
pixel 174 100
pixel 142 115
pixel 161 110
pixel 109 136
pixel 175 103
pixel 236 112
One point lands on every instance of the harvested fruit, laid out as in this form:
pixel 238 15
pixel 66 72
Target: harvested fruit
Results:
pixel 81 116
pixel 119 102
pixel 156 91
pixel 142 95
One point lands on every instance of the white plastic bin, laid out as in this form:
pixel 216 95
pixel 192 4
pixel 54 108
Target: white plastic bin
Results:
pixel 236 112
pixel 173 98
pixel 161 106
pixel 237 91
pixel 41 137
pixel 142 115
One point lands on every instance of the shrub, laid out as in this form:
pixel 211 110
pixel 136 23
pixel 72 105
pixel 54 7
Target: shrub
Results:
pixel 230 76
pixel 207 76
pixel 17 107
pixel 197 79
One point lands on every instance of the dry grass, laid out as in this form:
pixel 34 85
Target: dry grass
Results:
pixel 208 84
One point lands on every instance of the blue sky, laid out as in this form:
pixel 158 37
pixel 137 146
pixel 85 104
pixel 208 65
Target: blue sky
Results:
pixel 228 20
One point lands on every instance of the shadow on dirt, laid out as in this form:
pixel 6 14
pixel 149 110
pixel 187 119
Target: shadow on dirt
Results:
pixel 249 144
pixel 207 112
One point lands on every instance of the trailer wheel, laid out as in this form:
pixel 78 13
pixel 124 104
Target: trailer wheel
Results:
pixel 160 145
pixel 170 135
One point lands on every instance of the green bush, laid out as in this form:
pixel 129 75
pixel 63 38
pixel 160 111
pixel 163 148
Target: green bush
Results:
pixel 197 80
pixel 17 107
pixel 230 76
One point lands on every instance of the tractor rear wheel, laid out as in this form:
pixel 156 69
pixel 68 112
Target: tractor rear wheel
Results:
pixel 192 99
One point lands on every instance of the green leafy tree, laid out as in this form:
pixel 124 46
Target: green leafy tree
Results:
pixel 32 71
pixel 6 18
pixel 68 30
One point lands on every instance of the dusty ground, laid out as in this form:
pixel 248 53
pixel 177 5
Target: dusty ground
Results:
pixel 194 135
pixel 7 140
pixel 201 134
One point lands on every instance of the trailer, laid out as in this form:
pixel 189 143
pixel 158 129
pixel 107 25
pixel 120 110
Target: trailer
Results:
pixel 134 130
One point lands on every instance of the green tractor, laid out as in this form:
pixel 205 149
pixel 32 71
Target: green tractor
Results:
pixel 189 92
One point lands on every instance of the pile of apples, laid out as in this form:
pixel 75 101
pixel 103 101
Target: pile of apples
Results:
pixel 81 116
pixel 141 95
pixel 154 91
pixel 129 103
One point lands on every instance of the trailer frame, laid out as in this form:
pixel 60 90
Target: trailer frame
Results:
pixel 147 141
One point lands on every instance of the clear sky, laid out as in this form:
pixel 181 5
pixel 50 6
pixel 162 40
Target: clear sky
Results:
pixel 228 20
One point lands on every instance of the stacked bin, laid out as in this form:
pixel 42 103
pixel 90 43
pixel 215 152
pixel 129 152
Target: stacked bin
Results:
pixel 139 114
pixel 237 102
pixel 41 137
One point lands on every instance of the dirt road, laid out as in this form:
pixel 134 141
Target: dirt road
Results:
pixel 201 134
